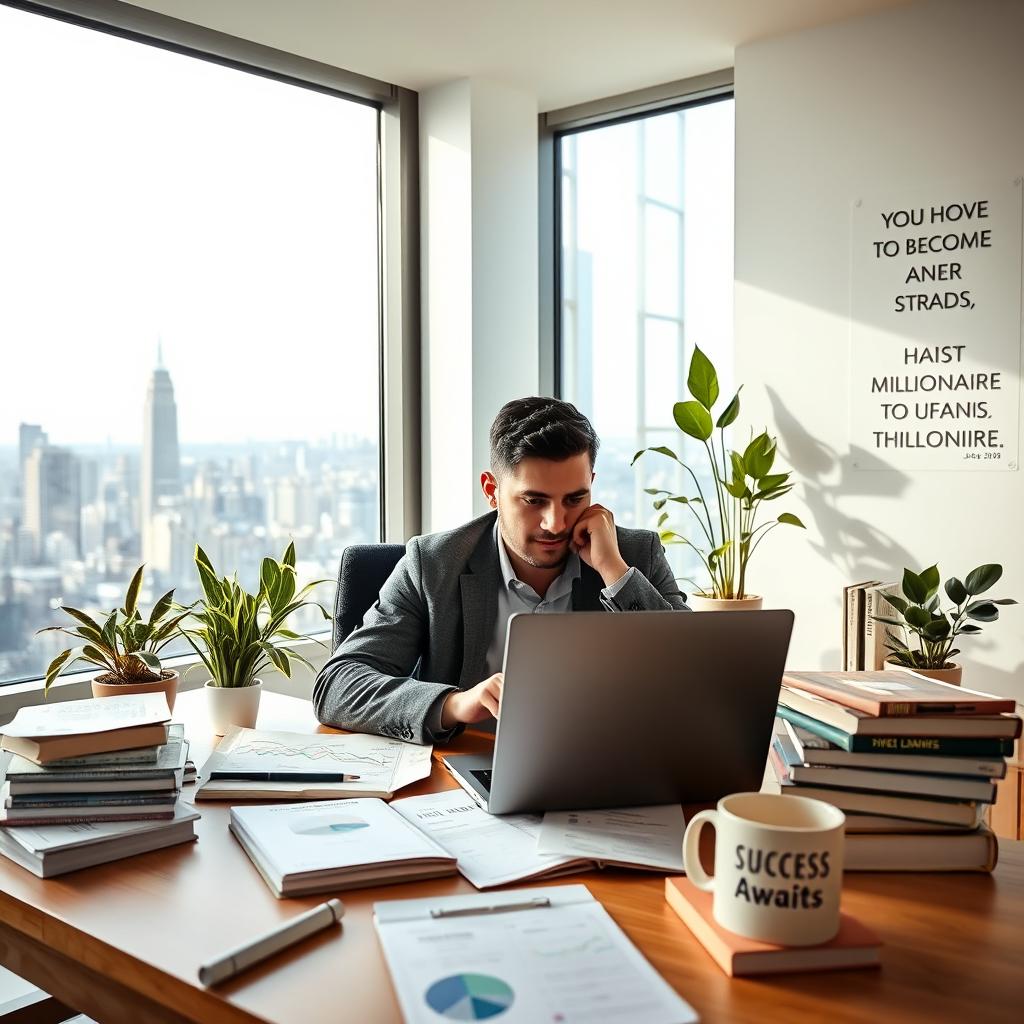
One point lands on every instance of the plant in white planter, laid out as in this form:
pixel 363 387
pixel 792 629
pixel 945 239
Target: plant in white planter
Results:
pixel 123 645
pixel 927 634
pixel 238 635
pixel 728 533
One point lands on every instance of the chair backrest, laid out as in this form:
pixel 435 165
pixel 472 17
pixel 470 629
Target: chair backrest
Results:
pixel 363 571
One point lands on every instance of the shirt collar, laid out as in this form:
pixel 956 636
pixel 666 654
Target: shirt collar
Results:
pixel 562 581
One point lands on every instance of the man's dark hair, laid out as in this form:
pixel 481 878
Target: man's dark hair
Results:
pixel 543 428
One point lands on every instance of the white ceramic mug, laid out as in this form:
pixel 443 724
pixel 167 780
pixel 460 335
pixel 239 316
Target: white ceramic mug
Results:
pixel 778 866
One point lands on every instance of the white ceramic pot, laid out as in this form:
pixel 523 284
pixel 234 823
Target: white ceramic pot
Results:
pixel 233 705
pixel 952 674
pixel 700 603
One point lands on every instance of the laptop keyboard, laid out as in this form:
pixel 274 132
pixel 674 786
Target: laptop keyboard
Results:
pixel 483 776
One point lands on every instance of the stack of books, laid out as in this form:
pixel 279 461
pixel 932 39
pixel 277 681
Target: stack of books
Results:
pixel 912 762
pixel 82 782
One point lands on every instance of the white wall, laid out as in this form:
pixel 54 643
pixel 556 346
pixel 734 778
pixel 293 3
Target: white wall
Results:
pixel 884 104
pixel 478 160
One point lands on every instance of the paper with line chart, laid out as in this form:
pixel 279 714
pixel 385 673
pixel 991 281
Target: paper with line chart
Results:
pixel 383 765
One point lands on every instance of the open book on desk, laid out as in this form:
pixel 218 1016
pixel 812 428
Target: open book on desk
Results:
pixel 250 764
pixel 497 850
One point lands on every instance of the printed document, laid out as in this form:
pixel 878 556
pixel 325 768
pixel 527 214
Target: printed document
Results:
pixel 523 956
pixel 490 849
pixel 94 714
pixel 644 837
pixel 382 765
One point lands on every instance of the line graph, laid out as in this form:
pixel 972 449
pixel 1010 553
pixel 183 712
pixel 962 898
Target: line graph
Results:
pixel 271 749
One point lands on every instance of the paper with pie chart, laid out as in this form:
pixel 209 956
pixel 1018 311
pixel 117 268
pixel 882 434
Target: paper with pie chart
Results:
pixel 383 765
pixel 454 958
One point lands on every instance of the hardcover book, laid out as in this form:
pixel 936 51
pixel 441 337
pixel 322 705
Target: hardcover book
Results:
pixel 855 721
pixel 941 746
pixel 855 945
pixel 897 693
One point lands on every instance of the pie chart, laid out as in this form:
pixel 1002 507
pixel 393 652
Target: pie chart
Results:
pixel 470 997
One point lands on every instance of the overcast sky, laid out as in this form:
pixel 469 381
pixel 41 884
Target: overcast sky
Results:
pixel 148 195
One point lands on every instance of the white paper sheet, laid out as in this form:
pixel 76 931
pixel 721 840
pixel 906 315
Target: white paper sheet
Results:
pixel 567 961
pixel 94 714
pixel 641 836
pixel 491 849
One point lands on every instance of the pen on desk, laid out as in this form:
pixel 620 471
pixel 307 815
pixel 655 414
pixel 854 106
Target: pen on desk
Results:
pixel 535 903
pixel 287 934
pixel 284 776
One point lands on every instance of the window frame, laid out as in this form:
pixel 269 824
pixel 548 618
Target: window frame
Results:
pixel 398 273
pixel 553 126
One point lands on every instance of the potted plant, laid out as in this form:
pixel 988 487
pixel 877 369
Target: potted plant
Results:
pixel 125 647
pixel 238 635
pixel 726 517
pixel 933 630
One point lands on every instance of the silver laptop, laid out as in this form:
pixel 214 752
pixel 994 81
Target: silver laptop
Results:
pixel 631 708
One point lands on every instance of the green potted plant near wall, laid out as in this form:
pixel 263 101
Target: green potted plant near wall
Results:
pixel 927 633
pixel 726 512
pixel 124 646
pixel 239 635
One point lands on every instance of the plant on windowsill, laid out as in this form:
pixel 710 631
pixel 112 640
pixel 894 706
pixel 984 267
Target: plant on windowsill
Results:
pixel 125 646
pixel 727 516
pixel 238 635
pixel 933 630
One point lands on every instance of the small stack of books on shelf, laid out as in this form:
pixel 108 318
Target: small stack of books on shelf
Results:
pixel 863 637
pixel 82 782
pixel 911 761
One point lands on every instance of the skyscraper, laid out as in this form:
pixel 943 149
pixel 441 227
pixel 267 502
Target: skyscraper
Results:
pixel 161 467
pixel 30 436
pixel 51 503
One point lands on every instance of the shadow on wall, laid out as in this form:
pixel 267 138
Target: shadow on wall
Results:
pixel 858 549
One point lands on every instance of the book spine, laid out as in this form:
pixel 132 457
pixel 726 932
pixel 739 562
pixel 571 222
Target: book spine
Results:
pixel 851 629
pixel 80 819
pixel 937 745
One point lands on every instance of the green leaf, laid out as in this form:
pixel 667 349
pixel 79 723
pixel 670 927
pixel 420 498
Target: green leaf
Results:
pixel 731 411
pixel 109 630
pixel 759 456
pixel 278 658
pixel 739 471
pixel 659 503
pixel 1003 600
pixel 969 627
pixel 693 419
pixel 686 501
pixel 57 666
pixel 914 587
pixel 737 488
pixel 937 629
pixel 161 608
pixel 655 490
pixel 702 380
pixel 983 611
pixel 930 578
pixel 131 598
pixel 772 480
pixel 897 602
pixel 773 494
pixel 979 580
pixel 917 617
pixel 150 660
pixel 661 519
pixel 956 591
pixel 86 620
pixel 660 449
pixel 791 520
pixel 289 555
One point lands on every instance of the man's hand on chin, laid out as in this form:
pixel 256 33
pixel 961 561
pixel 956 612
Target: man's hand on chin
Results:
pixel 474 705
pixel 595 541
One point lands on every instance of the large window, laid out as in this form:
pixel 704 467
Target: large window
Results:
pixel 646 213
pixel 189 322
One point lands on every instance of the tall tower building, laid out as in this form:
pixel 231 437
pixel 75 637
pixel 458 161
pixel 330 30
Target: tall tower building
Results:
pixel 161 467
pixel 52 501
pixel 30 437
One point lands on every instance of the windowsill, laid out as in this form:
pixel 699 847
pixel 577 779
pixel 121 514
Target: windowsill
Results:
pixel 75 686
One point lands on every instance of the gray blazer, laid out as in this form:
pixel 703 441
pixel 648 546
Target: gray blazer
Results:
pixel 429 631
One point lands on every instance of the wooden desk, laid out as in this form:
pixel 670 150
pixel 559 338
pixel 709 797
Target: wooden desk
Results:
pixel 122 942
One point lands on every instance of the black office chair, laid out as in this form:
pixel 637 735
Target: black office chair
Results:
pixel 363 571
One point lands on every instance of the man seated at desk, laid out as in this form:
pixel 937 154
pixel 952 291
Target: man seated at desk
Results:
pixel 427 659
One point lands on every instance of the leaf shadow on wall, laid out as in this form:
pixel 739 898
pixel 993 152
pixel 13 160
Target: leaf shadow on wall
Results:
pixel 857 548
